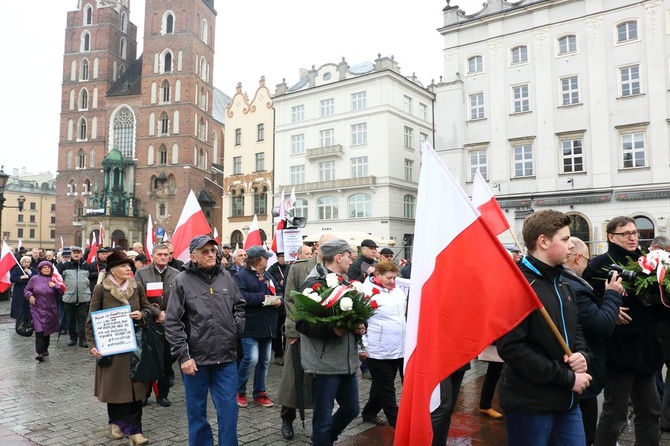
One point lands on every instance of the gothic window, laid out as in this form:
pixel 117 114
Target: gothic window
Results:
pixel 83 70
pixel 85 42
pixel 167 62
pixel 91 158
pixel 87 186
pixel 124 22
pixel 123 131
pixel 81 134
pixel 68 161
pixel 165 124
pixel 203 31
pixel 83 99
pixel 166 91
pixel 88 15
pixel 168 26
pixel 122 48
pixel 162 155
pixel 81 159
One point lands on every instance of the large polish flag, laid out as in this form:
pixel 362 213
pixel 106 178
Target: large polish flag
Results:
pixel 192 222
pixel 215 235
pixel 278 237
pixel 254 235
pixel 7 262
pixel 92 254
pixel 151 239
pixel 486 203
pixel 466 292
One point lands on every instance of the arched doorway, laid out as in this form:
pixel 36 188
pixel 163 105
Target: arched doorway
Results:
pixel 119 239
pixel 236 239
pixel 579 228
pixel 646 229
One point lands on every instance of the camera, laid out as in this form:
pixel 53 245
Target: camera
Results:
pixel 626 275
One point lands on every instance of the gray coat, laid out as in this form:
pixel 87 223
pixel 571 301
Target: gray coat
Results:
pixel 76 279
pixel 148 274
pixel 205 316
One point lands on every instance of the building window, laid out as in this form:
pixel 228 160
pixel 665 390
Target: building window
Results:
pixel 327 171
pixel 19 232
pixel 123 132
pixel 83 99
pixel 630 80
pixel 169 23
pixel 165 124
pixel 300 209
pixel 359 167
pixel 162 155
pixel 167 62
pixel 81 160
pixel 633 150
pixel 521 101
pixel 166 91
pixel 477 106
pixel 33 206
pixel 567 44
pixel 523 160
pixel 297 174
pixel 52 233
pixel 359 134
pixel 31 218
pixel 359 100
pixel 238 203
pixel 327 137
pixel 626 31
pixel 53 208
pixel 260 133
pixel 297 144
pixel 408 136
pixel 237 165
pixel 360 206
pixel 423 111
pixel 82 129
pixel 260 161
pixel 475 64
pixel 260 200
pixel 52 220
pixel 85 42
pixel 326 208
pixel 573 155
pixel 238 137
pixel 477 161
pixel 570 90
pixel 407 104
pixel 409 204
pixel 298 113
pixel 409 167
pixel 88 15
pixel 31 233
pixel 519 54
pixel 83 73
pixel 327 107
pixel 162 210
pixel 70 187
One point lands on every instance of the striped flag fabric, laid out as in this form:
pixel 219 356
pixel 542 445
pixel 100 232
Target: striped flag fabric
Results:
pixel 7 262
pixel 191 222
pixel 486 203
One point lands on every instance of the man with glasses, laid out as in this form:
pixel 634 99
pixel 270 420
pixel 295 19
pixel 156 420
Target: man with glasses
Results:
pixel 206 299
pixel 633 353
pixel 365 263
pixel 386 254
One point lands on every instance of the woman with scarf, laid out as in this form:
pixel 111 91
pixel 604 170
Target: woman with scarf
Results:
pixel 113 384
pixel 19 276
pixel 385 342
pixel 42 294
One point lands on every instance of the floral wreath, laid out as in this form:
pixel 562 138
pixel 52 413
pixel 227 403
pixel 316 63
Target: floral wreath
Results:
pixel 650 272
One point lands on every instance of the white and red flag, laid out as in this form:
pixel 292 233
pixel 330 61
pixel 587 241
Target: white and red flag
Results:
pixel 215 235
pixel 58 280
pixel 7 262
pixel 20 244
pixel 486 203
pixel 278 237
pixel 62 246
pixel 154 289
pixel 458 304
pixel 101 239
pixel 151 239
pixel 191 222
pixel 292 200
pixel 92 254
pixel 254 235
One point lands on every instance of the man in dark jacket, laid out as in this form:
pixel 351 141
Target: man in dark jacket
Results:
pixel 204 318
pixel 156 279
pixel 540 384
pixel 364 265
pixel 598 317
pixel 633 351
pixel 263 301
pixel 98 265
pixel 77 295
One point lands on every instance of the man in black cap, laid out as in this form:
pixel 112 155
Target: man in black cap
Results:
pixel 226 256
pixel 386 254
pixel 98 265
pixel 206 299
pixel 365 263
pixel 77 296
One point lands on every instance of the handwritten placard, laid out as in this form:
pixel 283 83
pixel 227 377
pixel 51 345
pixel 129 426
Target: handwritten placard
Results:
pixel 113 331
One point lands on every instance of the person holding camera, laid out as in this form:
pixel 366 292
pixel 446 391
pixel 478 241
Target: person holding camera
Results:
pixel 633 352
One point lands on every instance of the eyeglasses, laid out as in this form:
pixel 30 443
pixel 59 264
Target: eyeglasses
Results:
pixel 209 251
pixel 627 234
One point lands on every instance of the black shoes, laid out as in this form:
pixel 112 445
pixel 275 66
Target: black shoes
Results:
pixel 39 357
pixel 375 420
pixel 163 402
pixel 287 431
pixel 83 344
pixel 72 343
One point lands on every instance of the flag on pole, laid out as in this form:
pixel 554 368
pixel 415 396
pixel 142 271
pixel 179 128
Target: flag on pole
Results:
pixel 62 246
pixel 92 254
pixel 292 200
pixel 7 262
pixel 20 244
pixel 486 203
pixel 215 234
pixel 101 239
pixel 278 237
pixel 165 238
pixel 151 239
pixel 457 304
pixel 254 235
pixel 58 280
pixel 191 222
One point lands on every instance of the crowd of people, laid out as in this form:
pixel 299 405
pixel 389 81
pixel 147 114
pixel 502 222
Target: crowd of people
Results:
pixel 224 312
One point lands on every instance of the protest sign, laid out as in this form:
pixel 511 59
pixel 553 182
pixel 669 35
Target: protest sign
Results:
pixel 113 331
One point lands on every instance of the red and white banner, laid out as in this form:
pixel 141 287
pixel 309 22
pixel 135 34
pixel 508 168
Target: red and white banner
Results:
pixel 192 222
pixel 254 235
pixel 151 239
pixel 278 238
pixel 93 253
pixel 101 238
pixel 215 235
pixel 457 304
pixel 486 203
pixel 7 262
pixel 154 289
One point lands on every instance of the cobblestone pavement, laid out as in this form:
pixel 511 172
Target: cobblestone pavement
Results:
pixel 52 403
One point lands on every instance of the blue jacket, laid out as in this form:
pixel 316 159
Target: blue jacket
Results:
pixel 261 321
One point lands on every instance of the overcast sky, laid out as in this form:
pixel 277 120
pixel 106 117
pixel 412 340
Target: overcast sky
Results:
pixel 253 38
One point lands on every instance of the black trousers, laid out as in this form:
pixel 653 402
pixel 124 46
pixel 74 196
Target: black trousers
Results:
pixel 77 314
pixel 441 417
pixel 382 389
pixel 168 372
pixel 41 342
pixel 489 386
pixel 278 341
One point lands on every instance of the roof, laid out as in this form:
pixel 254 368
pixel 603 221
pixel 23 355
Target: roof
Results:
pixel 219 104
pixel 128 84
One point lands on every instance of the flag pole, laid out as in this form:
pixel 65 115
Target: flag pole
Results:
pixel 516 240
pixel 557 334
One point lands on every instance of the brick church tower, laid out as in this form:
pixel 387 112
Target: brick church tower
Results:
pixel 137 134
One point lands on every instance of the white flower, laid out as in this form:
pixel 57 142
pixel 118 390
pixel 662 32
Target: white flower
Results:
pixel 314 296
pixel 332 280
pixel 307 291
pixel 357 286
pixel 346 304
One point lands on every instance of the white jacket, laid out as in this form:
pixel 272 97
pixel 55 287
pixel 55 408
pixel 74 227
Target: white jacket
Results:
pixel 385 336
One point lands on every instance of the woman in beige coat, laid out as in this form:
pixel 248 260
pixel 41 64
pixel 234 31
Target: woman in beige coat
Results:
pixel 112 382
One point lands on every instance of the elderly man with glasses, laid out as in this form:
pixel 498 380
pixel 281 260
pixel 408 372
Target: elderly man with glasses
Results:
pixel 633 352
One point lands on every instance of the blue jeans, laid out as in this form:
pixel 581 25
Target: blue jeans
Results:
pixel 256 356
pixel 558 429
pixel 326 389
pixel 220 380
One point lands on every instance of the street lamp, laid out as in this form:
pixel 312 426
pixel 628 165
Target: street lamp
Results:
pixel 3 183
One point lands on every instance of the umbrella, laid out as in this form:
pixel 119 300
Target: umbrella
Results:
pixel 298 376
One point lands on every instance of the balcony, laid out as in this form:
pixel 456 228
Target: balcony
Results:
pixel 323 186
pixel 324 152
